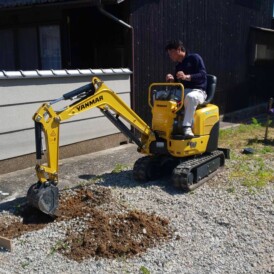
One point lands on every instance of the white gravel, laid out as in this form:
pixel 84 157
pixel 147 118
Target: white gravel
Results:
pixel 217 231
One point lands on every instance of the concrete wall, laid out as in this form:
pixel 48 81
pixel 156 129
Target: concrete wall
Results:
pixel 22 93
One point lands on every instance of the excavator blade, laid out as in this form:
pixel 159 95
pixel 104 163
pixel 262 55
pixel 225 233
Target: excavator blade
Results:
pixel 45 197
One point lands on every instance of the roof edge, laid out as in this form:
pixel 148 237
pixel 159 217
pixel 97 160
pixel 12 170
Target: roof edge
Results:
pixel 19 74
pixel 262 29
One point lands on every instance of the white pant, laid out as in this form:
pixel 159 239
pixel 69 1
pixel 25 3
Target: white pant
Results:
pixel 193 97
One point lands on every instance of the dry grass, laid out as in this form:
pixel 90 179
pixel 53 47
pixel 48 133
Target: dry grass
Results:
pixel 254 170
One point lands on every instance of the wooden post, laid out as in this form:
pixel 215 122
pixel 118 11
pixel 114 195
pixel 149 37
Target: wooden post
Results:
pixel 268 118
pixel 6 243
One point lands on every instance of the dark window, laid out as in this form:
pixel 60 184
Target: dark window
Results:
pixel 50 47
pixel 27 48
pixel 264 52
pixel 30 48
pixel 252 4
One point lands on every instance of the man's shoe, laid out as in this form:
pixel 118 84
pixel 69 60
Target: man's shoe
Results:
pixel 187 132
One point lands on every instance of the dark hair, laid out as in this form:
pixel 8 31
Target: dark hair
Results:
pixel 175 44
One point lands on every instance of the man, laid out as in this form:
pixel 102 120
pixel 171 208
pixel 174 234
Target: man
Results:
pixel 190 71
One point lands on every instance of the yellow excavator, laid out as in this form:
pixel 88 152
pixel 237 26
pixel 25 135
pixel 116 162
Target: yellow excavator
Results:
pixel 190 162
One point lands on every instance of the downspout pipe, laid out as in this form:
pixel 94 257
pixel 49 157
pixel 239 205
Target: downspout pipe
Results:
pixel 119 21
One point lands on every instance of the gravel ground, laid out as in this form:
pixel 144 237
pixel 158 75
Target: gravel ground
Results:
pixel 216 231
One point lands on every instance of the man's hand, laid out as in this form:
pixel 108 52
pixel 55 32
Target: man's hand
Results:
pixel 180 75
pixel 169 78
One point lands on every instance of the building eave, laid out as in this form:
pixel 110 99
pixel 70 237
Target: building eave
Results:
pixel 15 4
pixel 263 29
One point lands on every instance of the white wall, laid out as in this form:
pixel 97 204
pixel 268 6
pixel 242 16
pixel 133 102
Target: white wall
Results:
pixel 21 93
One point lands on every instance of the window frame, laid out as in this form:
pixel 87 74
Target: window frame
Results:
pixel 16 64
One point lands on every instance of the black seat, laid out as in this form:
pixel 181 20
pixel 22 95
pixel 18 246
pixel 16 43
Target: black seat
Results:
pixel 211 88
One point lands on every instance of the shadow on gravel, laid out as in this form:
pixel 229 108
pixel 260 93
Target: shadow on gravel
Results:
pixel 87 177
pixel 11 206
pixel 114 180
pixel 264 142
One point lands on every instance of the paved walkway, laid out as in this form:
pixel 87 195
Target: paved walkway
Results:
pixel 72 171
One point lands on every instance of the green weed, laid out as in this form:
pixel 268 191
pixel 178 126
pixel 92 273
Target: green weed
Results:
pixel 17 209
pixel 144 270
pixel 266 150
pixel 250 170
pixel 231 190
pixel 255 122
pixel 58 246
pixel 119 167
pixel 24 264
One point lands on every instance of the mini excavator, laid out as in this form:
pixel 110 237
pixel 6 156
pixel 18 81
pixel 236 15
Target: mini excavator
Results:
pixel 190 162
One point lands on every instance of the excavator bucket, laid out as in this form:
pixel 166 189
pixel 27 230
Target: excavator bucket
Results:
pixel 45 197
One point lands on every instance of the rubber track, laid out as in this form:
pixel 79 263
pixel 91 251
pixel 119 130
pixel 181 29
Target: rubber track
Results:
pixel 181 172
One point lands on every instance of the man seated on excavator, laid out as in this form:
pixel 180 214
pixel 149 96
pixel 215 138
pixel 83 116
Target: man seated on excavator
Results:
pixel 191 72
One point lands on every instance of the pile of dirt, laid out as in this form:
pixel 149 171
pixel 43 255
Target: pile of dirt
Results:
pixel 101 231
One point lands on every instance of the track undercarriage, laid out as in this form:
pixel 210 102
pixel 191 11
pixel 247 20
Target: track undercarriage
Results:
pixel 186 174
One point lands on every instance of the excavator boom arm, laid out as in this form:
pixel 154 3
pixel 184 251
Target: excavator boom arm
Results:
pixel 105 99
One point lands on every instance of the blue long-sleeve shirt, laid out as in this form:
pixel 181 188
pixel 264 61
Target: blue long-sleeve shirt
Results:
pixel 193 65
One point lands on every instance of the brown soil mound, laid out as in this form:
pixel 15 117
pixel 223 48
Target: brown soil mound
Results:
pixel 98 226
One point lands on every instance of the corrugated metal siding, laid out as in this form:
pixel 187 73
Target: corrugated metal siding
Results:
pixel 218 30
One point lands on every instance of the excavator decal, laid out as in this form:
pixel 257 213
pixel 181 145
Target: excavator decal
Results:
pixel 90 103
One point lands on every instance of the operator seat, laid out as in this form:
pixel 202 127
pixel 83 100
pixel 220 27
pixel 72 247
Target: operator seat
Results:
pixel 210 89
